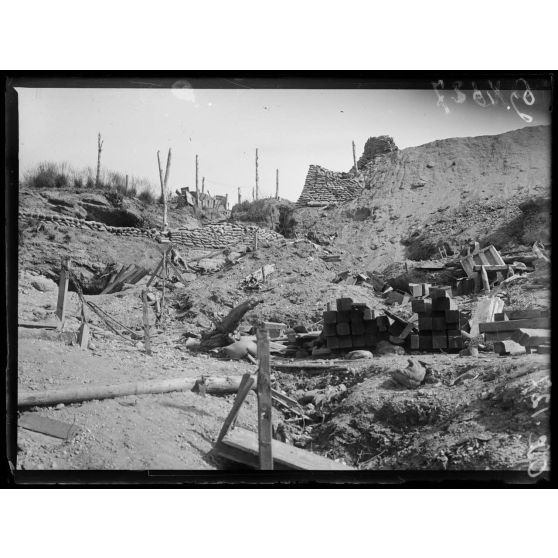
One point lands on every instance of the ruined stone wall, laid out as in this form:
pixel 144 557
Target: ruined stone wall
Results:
pixel 217 235
pixel 324 186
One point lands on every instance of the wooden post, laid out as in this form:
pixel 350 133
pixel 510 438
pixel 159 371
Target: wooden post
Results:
pixel 99 149
pixel 239 198
pixel 277 184
pixel 83 336
pixel 257 186
pixel 126 187
pixel 147 339
pixel 63 290
pixel 354 159
pixel 255 240
pixel 226 200
pixel 253 196
pixel 165 276
pixel 197 187
pixel 264 401
pixel 203 184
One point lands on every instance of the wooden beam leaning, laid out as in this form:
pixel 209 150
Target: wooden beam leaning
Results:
pixel 246 384
pixel 264 402
pixel 63 290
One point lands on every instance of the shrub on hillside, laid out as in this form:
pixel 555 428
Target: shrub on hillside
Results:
pixel 147 196
pixel 287 222
pixel 50 175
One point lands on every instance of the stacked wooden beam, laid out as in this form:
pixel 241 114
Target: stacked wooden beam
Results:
pixel 504 327
pixel 439 323
pixel 353 325
pixel 419 289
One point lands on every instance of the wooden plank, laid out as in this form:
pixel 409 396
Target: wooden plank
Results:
pixel 468 263
pixel 483 311
pixel 246 384
pixel 497 258
pixel 243 457
pixel 523 314
pixel 512 325
pixel 48 426
pixel 108 288
pixel 283 454
pixel 482 257
pixel 531 337
pixel 264 402
pixel 124 278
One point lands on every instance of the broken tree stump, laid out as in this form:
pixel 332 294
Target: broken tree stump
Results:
pixel 220 337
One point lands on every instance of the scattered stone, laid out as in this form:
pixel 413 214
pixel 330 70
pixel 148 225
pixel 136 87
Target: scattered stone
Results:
pixel 59 406
pixel 43 284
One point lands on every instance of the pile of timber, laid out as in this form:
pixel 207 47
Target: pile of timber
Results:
pixel 130 274
pixel 507 324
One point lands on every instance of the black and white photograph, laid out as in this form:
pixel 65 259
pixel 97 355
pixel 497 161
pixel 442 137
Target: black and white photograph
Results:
pixel 347 275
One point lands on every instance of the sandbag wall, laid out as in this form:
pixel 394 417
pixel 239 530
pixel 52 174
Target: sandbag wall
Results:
pixel 209 236
pixel 221 235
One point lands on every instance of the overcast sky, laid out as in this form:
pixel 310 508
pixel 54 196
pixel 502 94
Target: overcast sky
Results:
pixel 291 128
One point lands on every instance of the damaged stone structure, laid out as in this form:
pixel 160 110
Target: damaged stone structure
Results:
pixel 323 186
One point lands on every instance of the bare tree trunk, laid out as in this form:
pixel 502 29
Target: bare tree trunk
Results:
pixel 162 180
pixel 99 149
pixel 239 199
pixel 354 159
pixel 277 184
pixel 126 183
pixel 257 186
pixel 203 184
pixel 197 187
pixel 165 192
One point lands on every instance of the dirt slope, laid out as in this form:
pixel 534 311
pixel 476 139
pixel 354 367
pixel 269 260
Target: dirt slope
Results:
pixel 448 179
